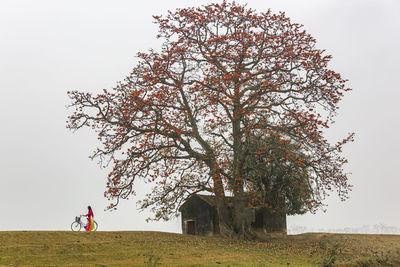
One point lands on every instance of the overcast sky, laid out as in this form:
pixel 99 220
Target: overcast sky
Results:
pixel 48 47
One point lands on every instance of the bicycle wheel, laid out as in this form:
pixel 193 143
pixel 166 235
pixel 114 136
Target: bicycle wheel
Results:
pixel 95 226
pixel 75 226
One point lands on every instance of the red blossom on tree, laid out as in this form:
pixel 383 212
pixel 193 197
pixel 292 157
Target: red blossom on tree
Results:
pixel 190 117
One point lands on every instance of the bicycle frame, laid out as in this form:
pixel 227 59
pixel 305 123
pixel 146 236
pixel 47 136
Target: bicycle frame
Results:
pixel 79 221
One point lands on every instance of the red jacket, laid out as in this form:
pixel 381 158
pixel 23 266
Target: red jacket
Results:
pixel 90 214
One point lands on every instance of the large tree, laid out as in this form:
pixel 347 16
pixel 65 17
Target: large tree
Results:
pixel 193 114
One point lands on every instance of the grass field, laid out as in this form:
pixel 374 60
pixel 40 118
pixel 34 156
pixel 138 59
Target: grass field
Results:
pixel 33 248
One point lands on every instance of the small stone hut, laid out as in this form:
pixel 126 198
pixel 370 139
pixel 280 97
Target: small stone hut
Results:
pixel 200 217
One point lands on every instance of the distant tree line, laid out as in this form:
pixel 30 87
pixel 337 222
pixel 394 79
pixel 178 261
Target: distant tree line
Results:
pixel 364 229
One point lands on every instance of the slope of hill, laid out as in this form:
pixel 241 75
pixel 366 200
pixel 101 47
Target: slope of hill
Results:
pixel 40 248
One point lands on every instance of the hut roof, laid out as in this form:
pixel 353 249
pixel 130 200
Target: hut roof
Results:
pixel 210 200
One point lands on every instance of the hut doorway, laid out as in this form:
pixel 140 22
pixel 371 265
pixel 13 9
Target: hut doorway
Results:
pixel 191 227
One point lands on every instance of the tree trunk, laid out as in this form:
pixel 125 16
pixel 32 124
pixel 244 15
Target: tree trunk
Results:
pixel 224 227
pixel 224 221
pixel 275 221
pixel 243 217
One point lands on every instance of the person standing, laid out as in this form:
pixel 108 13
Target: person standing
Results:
pixel 90 224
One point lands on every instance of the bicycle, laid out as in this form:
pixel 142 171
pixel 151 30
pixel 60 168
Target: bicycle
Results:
pixel 78 224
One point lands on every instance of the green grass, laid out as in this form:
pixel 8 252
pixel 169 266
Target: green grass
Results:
pixel 42 248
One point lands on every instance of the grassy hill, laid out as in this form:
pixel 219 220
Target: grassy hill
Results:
pixel 40 248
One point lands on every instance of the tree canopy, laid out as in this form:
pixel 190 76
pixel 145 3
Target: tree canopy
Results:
pixel 232 97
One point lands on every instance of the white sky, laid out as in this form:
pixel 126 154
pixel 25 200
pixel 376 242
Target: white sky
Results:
pixel 48 47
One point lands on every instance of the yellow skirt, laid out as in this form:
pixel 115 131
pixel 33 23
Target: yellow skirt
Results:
pixel 92 228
